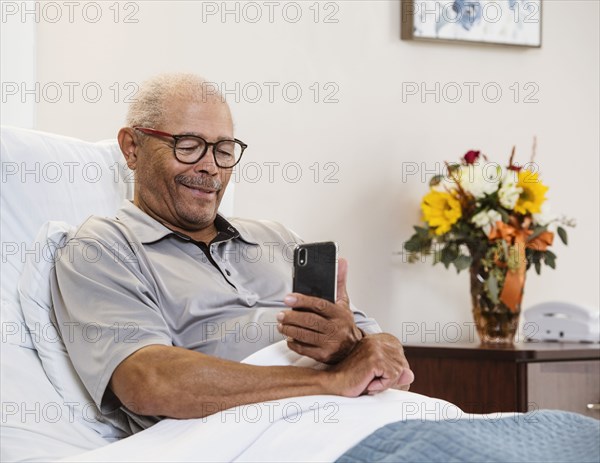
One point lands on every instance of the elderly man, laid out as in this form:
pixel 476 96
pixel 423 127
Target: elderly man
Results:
pixel 178 293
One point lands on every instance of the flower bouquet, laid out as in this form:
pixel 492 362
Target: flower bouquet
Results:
pixel 493 220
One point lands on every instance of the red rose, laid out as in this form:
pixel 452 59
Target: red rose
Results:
pixel 471 156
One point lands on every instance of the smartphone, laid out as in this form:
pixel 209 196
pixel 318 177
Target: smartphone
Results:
pixel 315 269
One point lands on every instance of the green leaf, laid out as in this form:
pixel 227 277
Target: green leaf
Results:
pixel 421 231
pixel 435 180
pixel 437 257
pixel 538 267
pixel 492 287
pixel 452 167
pixel 412 245
pixel 537 231
pixel 462 262
pixel 562 234
pixel 449 254
pixel 550 259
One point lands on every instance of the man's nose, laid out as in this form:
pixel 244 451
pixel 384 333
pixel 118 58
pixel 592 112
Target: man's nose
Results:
pixel 207 163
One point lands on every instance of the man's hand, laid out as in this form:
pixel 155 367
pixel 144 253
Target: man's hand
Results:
pixel 323 331
pixel 376 364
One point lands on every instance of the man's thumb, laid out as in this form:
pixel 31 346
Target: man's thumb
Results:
pixel 342 274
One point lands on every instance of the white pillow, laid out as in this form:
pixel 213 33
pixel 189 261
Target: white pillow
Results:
pixel 14 329
pixel 279 354
pixel 37 424
pixel 36 302
pixel 51 177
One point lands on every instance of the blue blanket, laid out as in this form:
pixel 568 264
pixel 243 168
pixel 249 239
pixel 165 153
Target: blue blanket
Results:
pixel 544 436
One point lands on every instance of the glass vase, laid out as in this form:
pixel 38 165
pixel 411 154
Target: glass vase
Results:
pixel 495 322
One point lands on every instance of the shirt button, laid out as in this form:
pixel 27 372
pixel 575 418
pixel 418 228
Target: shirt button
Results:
pixel 228 272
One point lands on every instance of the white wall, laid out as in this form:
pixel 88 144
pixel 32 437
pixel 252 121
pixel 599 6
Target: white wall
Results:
pixel 371 135
pixel 17 65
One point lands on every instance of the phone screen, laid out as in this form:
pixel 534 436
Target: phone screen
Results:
pixel 315 270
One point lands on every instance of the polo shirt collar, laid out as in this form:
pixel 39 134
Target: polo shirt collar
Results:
pixel 149 230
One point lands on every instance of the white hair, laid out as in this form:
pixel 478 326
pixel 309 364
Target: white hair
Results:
pixel 147 110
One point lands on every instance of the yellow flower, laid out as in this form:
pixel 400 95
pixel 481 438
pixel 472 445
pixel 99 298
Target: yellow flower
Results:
pixel 533 195
pixel 440 210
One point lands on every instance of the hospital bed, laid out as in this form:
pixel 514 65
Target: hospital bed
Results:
pixel 51 183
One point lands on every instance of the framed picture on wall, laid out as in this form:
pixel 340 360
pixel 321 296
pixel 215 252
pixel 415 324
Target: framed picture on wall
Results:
pixel 505 22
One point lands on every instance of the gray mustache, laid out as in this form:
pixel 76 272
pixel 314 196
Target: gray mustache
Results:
pixel 202 182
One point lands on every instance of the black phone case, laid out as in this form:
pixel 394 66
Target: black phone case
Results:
pixel 318 276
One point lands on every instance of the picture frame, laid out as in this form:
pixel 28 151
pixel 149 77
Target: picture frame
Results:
pixel 491 22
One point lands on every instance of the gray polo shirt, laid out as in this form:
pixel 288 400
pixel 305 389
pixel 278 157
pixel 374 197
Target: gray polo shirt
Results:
pixel 126 283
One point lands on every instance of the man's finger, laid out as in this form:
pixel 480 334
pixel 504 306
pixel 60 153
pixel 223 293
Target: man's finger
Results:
pixel 406 378
pixel 342 274
pixel 305 336
pixel 304 319
pixel 316 304
pixel 378 385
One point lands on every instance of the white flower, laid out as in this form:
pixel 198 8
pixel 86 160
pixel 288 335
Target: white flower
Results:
pixel 479 179
pixel 486 219
pixel 545 217
pixel 509 192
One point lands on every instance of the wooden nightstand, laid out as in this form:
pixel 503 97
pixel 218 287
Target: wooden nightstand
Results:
pixel 524 377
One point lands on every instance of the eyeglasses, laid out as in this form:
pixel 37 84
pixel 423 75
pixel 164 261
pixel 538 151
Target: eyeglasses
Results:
pixel 189 149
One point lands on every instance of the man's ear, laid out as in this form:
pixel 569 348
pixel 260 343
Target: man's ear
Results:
pixel 128 142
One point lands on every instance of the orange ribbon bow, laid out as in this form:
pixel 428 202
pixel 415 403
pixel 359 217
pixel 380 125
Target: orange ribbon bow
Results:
pixel 517 235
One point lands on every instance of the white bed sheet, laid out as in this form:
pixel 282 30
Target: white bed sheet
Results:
pixel 312 428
